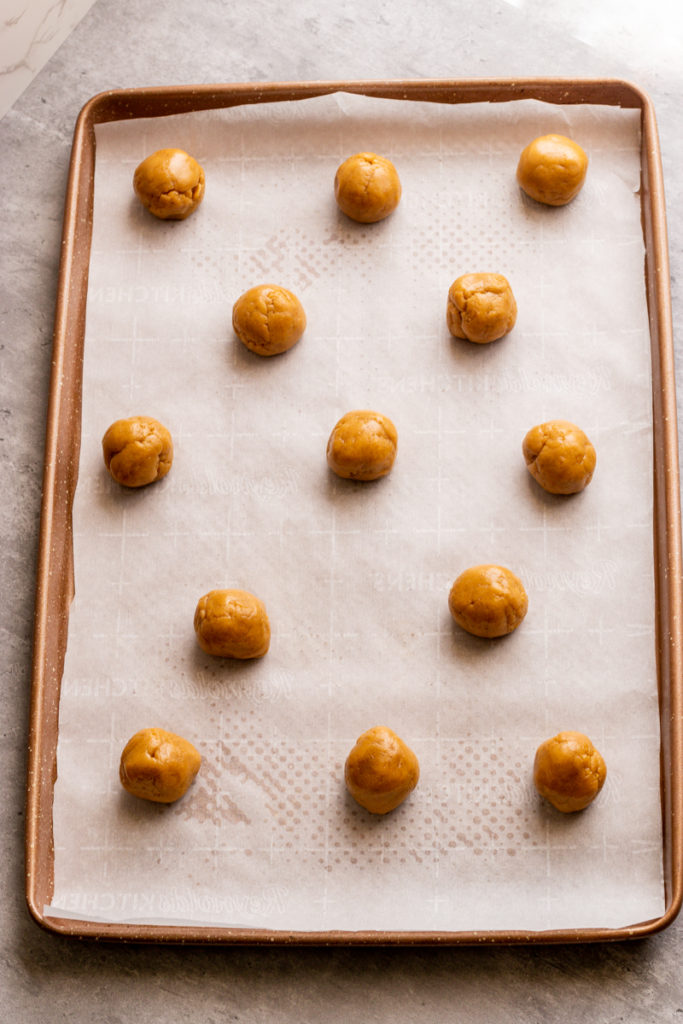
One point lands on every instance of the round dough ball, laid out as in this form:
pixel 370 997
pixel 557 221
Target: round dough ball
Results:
pixel 559 456
pixel 169 183
pixel 481 307
pixel 381 770
pixel 569 771
pixel 137 451
pixel 552 169
pixel 367 187
pixel 158 765
pixel 362 445
pixel 268 319
pixel 232 624
pixel 488 601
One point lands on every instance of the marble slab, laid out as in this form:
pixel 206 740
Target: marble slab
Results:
pixel 30 32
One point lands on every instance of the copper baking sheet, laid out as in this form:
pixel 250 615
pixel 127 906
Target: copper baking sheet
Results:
pixel 55 572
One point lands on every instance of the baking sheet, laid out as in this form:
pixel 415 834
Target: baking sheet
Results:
pixel 359 574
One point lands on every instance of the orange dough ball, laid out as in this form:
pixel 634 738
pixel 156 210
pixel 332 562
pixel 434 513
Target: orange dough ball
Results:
pixel 232 624
pixel 488 601
pixel 158 765
pixel 170 184
pixel 380 770
pixel 268 319
pixel 481 307
pixel 362 445
pixel 137 451
pixel 559 456
pixel 569 771
pixel 552 169
pixel 367 187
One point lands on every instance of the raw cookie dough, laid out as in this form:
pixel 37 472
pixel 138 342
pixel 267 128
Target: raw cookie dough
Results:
pixel 362 445
pixel 381 770
pixel 552 169
pixel 137 451
pixel 158 765
pixel 488 601
pixel 569 771
pixel 232 624
pixel 559 456
pixel 268 319
pixel 481 307
pixel 170 184
pixel 367 187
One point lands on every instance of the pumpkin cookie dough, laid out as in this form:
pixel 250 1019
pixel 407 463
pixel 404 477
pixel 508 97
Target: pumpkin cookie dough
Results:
pixel 362 445
pixel 232 624
pixel 137 451
pixel 559 456
pixel 367 187
pixel 170 184
pixel 158 765
pixel 569 771
pixel 481 307
pixel 552 169
pixel 488 601
pixel 381 770
pixel 268 319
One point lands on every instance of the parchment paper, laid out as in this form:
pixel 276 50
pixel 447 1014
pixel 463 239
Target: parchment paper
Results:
pixel 355 576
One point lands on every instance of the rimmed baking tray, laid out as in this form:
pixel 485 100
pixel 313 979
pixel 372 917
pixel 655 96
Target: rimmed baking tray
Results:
pixel 56 571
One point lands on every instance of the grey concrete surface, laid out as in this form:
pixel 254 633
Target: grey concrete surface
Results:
pixel 143 42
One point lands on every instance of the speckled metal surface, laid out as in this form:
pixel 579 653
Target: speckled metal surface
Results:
pixel 135 44
pixel 55 577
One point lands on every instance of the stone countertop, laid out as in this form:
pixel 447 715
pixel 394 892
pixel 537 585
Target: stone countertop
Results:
pixel 133 43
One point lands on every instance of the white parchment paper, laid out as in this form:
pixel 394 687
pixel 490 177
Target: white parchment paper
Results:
pixel 355 576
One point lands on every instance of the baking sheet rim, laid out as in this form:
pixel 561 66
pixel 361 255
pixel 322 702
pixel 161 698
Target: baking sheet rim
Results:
pixel 55 565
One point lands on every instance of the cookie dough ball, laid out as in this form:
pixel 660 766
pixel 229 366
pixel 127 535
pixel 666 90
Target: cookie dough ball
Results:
pixel 362 445
pixel 552 169
pixel 137 451
pixel 158 765
pixel 367 187
pixel 559 456
pixel 232 624
pixel 488 601
pixel 268 319
pixel 381 770
pixel 170 184
pixel 481 307
pixel 569 771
